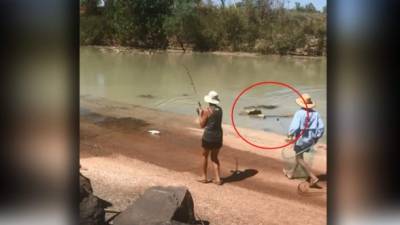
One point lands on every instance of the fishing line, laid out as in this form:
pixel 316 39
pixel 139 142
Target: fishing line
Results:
pixel 194 88
pixel 192 83
pixel 171 100
pixel 168 101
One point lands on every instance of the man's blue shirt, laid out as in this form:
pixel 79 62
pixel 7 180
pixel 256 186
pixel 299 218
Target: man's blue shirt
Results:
pixel 314 131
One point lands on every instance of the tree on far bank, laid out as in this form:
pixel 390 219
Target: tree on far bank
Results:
pixel 298 6
pixel 90 6
pixel 307 8
pixel 222 3
pixel 140 23
pixel 310 8
pixel 177 24
pixel 264 26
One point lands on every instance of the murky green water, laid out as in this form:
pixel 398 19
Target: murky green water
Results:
pixel 160 81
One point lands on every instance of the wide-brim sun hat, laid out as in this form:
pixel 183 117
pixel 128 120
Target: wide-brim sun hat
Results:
pixel 212 97
pixel 307 98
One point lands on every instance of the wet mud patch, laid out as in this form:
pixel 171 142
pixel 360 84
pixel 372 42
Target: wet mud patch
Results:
pixel 85 134
pixel 123 124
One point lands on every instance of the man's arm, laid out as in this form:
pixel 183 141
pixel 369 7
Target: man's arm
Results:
pixel 320 128
pixel 294 125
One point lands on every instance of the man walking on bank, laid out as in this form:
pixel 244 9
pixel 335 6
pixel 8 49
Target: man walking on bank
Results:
pixel 310 137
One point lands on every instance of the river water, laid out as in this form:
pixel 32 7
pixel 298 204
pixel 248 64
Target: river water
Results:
pixel 160 81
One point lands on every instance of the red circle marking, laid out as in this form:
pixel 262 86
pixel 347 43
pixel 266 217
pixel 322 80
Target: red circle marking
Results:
pixel 269 83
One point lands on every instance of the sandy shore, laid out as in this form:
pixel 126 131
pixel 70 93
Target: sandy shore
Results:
pixel 122 159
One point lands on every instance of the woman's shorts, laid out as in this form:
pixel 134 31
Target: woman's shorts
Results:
pixel 211 145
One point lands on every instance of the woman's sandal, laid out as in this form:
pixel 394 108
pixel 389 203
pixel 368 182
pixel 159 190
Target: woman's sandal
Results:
pixel 218 182
pixel 204 181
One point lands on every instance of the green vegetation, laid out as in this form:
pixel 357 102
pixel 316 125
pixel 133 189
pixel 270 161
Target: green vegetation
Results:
pixel 263 26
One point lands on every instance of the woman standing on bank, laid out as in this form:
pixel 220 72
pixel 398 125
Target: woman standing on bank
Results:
pixel 210 119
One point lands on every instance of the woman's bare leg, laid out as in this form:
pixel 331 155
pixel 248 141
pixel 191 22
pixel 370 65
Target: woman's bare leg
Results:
pixel 205 163
pixel 216 165
pixel 300 160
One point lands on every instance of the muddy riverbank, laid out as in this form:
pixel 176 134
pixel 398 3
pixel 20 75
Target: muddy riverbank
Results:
pixel 122 158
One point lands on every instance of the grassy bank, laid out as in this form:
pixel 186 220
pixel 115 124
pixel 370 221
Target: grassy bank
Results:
pixel 254 26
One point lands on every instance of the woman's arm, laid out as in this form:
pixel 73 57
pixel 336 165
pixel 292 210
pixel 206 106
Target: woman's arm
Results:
pixel 204 113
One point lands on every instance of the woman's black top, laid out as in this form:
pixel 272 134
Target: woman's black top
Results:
pixel 213 128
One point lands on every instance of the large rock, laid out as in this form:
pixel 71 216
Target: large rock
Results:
pixel 91 211
pixel 85 187
pixel 159 206
pixel 91 208
pixel 173 222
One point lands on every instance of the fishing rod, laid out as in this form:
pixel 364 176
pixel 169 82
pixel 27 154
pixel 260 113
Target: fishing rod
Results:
pixel 193 86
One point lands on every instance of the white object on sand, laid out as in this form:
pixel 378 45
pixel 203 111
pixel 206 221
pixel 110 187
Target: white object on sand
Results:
pixel 154 132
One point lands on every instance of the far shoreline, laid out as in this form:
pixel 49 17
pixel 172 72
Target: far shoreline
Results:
pixel 119 49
